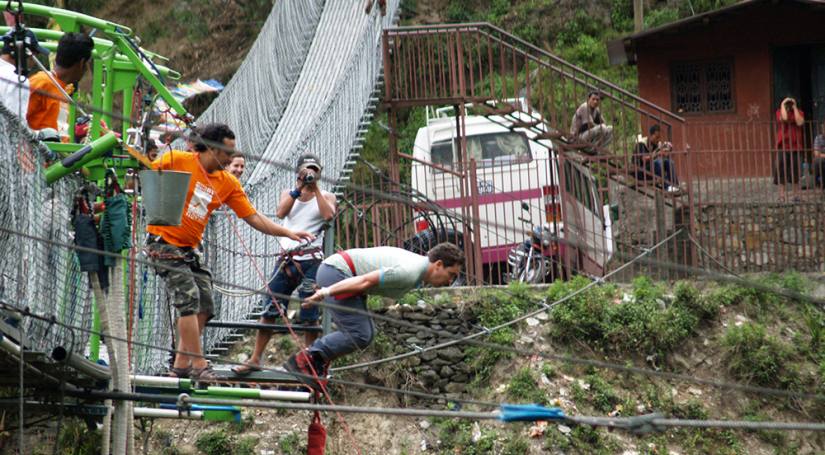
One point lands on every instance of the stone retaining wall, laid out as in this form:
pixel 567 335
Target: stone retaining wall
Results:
pixel 444 371
pixel 765 237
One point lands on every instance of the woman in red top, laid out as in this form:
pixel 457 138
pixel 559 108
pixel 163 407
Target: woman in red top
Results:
pixel 789 145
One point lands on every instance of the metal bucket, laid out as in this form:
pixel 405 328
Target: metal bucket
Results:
pixel 164 195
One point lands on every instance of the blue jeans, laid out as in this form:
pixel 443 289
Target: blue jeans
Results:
pixel 355 331
pixel 663 167
pixel 284 282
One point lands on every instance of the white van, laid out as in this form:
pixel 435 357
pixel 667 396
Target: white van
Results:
pixel 514 171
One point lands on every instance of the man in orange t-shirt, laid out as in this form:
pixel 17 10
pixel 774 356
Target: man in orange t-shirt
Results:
pixel 177 248
pixel 74 51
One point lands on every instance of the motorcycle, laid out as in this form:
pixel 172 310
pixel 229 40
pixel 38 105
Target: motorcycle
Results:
pixel 532 260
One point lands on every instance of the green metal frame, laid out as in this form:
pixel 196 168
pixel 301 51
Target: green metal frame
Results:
pixel 117 66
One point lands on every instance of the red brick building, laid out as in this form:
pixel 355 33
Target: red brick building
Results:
pixel 726 73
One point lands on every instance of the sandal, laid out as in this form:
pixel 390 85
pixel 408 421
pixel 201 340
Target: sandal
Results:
pixel 179 372
pixel 203 374
pixel 246 369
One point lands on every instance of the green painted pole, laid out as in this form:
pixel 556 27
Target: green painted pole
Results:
pixel 221 416
pixel 108 89
pixel 121 61
pixel 76 160
pixel 126 49
pixel 97 99
pixel 70 21
pixel 101 44
pixel 94 338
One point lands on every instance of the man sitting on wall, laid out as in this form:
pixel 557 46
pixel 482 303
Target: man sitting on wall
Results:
pixel 651 158
pixel 588 124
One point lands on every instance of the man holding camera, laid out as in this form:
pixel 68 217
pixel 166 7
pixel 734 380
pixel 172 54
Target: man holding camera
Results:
pixel 305 208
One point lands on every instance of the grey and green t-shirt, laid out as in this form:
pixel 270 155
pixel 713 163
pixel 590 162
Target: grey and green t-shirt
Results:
pixel 401 270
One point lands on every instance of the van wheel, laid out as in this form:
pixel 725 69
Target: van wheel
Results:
pixel 422 242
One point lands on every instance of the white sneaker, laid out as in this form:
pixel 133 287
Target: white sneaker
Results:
pixel 673 189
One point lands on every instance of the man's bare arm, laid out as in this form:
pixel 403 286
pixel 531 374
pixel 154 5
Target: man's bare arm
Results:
pixel 263 224
pixel 354 285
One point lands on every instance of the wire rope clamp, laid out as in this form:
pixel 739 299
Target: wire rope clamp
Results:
pixel 529 413
pixel 183 404
pixel 645 424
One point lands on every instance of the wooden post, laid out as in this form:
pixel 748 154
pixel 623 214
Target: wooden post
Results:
pixel 638 15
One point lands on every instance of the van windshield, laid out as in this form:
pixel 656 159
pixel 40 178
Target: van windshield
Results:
pixel 486 149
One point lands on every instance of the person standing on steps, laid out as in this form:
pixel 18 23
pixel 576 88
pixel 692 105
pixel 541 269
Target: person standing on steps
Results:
pixel 347 277
pixel 308 208
pixel 177 248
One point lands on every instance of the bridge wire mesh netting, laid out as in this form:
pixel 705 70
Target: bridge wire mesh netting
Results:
pixel 33 274
pixel 301 103
pixel 254 100
pixel 341 68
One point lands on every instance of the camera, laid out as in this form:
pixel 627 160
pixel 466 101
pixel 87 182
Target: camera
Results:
pixel 309 177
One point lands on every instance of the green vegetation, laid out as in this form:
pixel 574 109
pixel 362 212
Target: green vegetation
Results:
pixel 292 443
pixel 493 308
pixel 456 436
pixel 246 445
pixel 644 321
pixel 755 356
pixel 285 344
pixel 582 440
pixel 223 442
pixel 524 388
pixel 76 439
pixel 215 442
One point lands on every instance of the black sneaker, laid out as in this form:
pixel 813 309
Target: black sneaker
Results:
pixel 302 365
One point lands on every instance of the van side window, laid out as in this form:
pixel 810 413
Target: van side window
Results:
pixel 498 148
pixel 487 149
pixel 442 153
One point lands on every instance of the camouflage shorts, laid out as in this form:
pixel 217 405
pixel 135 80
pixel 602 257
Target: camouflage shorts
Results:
pixel 188 282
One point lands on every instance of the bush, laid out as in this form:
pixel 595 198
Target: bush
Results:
pixel 76 434
pixel 246 446
pixel 688 297
pixel 491 309
pixel 291 443
pixel 643 323
pixel 581 317
pixel 215 442
pixel 523 387
pixel 754 356
pixel 602 395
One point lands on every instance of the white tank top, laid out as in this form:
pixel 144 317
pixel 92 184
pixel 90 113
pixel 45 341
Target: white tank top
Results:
pixel 305 216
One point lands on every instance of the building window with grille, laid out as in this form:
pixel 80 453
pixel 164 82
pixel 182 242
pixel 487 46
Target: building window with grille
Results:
pixel 702 87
